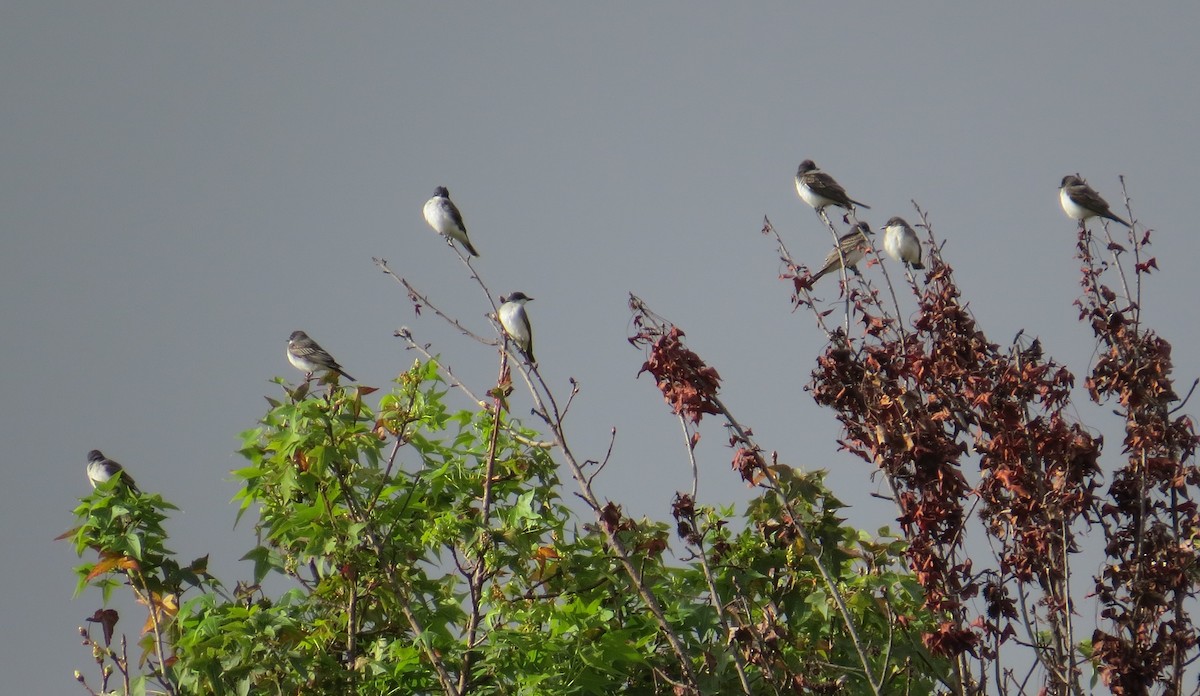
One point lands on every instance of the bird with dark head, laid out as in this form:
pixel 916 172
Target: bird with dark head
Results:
pixel 443 216
pixel 101 469
pixel 819 190
pixel 516 322
pixel 1080 201
pixel 901 243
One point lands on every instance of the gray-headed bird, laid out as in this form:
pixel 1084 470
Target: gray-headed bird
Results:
pixel 901 243
pixel 1080 201
pixel 516 322
pixel 819 190
pixel 307 356
pixel 443 216
pixel 851 249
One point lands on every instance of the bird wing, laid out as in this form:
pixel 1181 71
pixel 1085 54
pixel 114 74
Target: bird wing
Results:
pixel 455 216
pixel 1086 197
pixel 824 185
pixel 314 353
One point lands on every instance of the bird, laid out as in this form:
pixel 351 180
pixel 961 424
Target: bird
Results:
pixel 308 356
pixel 1080 201
pixel 100 469
pixel 901 243
pixel 516 322
pixel 851 249
pixel 819 190
pixel 443 216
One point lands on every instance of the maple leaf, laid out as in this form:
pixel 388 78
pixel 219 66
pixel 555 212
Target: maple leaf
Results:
pixel 162 609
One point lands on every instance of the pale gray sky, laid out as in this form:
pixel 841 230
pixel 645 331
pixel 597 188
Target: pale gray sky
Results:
pixel 184 184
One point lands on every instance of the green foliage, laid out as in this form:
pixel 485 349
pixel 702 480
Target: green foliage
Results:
pixel 431 551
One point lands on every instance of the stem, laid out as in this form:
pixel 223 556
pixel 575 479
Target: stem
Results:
pixel 793 521
pixel 480 574
pixel 138 583
pixel 718 606
pixel 548 408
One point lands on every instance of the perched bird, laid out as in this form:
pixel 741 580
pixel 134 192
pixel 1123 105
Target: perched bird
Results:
pixel 443 216
pixel 516 322
pixel 1080 201
pixel 901 243
pixel 818 189
pixel 306 355
pixel 852 247
pixel 100 469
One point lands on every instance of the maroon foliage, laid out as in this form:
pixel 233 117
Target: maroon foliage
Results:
pixel 1150 517
pixel 688 385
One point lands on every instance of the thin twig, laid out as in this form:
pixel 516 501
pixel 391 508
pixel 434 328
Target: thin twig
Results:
pixel 612 439
pixel 418 296
pixel 690 444
pixel 794 269
pixel 406 335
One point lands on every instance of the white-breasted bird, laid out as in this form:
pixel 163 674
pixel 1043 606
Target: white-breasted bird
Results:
pixel 819 190
pixel 1080 201
pixel 443 216
pixel 851 249
pixel 516 322
pixel 901 243
pixel 100 469
pixel 307 356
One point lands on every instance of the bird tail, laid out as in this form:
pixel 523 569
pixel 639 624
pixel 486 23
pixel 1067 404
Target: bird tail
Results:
pixel 128 481
pixel 470 249
pixel 917 265
pixel 824 271
pixel 864 206
pixel 346 375
pixel 1113 217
